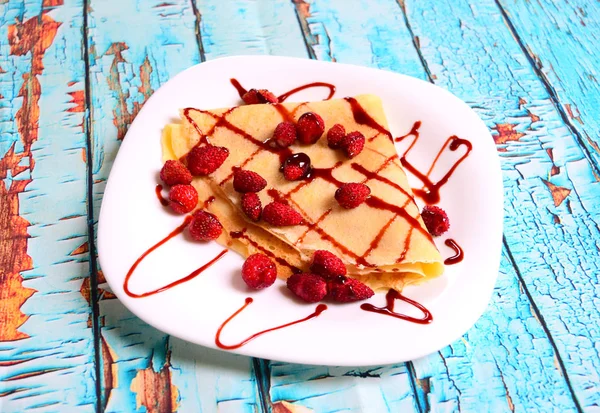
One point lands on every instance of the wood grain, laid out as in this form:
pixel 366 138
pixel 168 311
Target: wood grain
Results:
pixel 560 38
pixel 134 49
pixel 464 69
pixel 513 61
pixel 477 57
pixel 46 345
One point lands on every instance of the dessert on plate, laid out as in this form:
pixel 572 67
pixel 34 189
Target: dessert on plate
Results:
pixel 286 180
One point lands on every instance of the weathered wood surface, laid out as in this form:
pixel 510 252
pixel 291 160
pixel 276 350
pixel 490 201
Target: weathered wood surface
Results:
pixel 46 340
pixel 512 61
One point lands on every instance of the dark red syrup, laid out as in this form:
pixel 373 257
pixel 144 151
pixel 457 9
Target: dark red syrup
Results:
pixel 289 93
pixel 363 118
pixel 458 252
pixel 190 276
pixel 161 199
pixel 388 310
pixel 430 192
pixel 267 252
pixel 298 159
pixel 242 90
pixel 318 310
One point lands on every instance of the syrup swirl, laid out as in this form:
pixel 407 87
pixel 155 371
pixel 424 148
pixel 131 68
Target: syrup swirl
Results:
pixel 242 90
pixel 363 118
pixel 318 310
pixel 190 276
pixel 458 252
pixel 270 254
pixel 161 199
pixel 430 192
pixel 388 310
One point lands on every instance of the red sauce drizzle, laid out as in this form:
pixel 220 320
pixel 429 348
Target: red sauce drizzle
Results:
pixel 430 192
pixel 390 297
pixel 223 122
pixel 413 132
pixel 209 201
pixel 161 199
pixel 363 118
pixel 287 94
pixel 318 310
pixel 285 114
pixel 374 175
pixel 192 275
pixel 242 90
pixel 279 260
pixel 458 252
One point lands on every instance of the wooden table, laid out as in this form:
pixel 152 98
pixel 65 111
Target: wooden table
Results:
pixel 74 74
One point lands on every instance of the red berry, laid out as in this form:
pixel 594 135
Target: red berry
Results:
pixel 335 135
pixel 308 287
pixel 254 96
pixel 436 220
pixel 285 134
pixel 310 127
pixel 175 173
pixel 327 265
pixel 293 172
pixel 281 215
pixel 203 160
pixel 296 166
pixel 353 144
pixel 183 198
pixel 346 290
pixel 259 271
pixel 248 181
pixel 352 195
pixel 205 226
pixel 252 206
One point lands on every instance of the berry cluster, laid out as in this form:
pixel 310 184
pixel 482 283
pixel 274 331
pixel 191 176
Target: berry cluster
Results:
pixel 327 279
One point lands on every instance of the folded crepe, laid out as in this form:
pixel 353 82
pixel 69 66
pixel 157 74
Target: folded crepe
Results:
pixel 383 242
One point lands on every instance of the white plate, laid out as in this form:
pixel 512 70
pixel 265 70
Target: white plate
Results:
pixel 131 220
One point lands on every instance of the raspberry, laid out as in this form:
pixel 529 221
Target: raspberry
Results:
pixel 281 215
pixel 285 134
pixel 353 144
pixel 436 220
pixel 310 127
pixel 251 206
pixel 248 181
pixel 259 271
pixel 253 97
pixel 335 135
pixel 327 265
pixel 308 287
pixel 352 195
pixel 175 173
pixel 346 290
pixel 183 198
pixel 205 226
pixel 293 172
pixel 203 160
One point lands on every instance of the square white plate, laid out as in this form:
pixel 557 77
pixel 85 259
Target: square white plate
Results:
pixel 132 220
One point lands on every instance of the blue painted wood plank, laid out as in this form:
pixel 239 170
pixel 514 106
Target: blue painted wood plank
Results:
pixel 551 191
pixel 249 27
pixel 507 353
pixel 561 39
pixel 134 49
pixel 484 97
pixel 46 343
pixel 333 389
